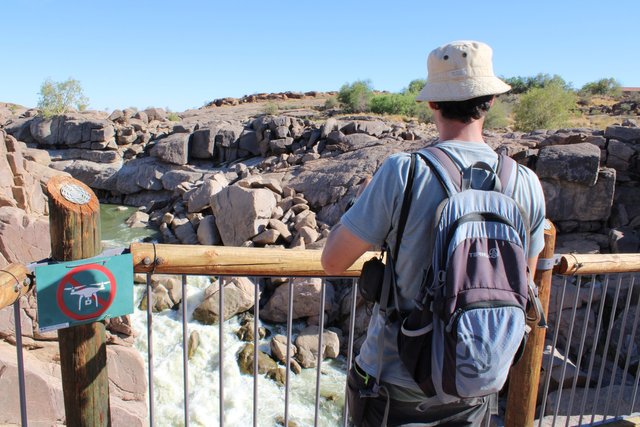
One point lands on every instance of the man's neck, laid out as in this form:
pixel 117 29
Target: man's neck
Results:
pixel 455 130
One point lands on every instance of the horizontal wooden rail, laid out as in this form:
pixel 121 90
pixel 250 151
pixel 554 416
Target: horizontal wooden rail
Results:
pixel 227 260
pixel 598 264
pixel 13 284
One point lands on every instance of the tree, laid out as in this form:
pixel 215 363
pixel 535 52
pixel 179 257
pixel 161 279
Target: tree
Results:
pixel 60 97
pixel 545 108
pixel 609 87
pixel 523 84
pixel 355 97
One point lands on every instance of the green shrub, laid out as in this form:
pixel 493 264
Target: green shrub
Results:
pixel 498 115
pixel 60 97
pixel 521 84
pixel 174 117
pixel 330 103
pixel 607 87
pixel 415 87
pixel 271 108
pixel 548 107
pixel 355 97
pixel 392 103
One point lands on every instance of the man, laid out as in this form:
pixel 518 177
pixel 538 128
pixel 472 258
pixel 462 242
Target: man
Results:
pixel 460 89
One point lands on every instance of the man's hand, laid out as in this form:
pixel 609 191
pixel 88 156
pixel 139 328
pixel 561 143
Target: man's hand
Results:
pixel 342 249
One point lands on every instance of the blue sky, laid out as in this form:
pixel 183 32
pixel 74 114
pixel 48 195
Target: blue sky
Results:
pixel 181 54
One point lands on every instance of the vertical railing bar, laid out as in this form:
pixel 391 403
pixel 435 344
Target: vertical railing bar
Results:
pixel 618 350
pixel 581 349
pixel 289 327
pixel 185 351
pixel 566 358
pixel 221 282
pixel 256 316
pixel 594 347
pixel 352 327
pixel 635 389
pixel 17 318
pixel 547 381
pixel 150 346
pixel 320 352
pixel 604 349
pixel 628 356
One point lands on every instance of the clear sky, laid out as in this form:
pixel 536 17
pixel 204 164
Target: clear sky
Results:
pixel 181 54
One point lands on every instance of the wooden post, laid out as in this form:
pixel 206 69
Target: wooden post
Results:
pixel 74 216
pixel 525 375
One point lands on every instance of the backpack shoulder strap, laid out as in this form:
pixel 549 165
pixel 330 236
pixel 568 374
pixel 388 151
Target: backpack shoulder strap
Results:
pixel 508 174
pixel 406 204
pixel 444 169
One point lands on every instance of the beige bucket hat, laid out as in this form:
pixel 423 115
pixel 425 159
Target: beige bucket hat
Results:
pixel 459 71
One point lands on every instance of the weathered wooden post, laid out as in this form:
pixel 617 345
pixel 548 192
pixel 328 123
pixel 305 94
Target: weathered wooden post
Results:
pixel 525 375
pixel 74 216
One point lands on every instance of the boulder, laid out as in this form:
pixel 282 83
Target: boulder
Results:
pixel 623 133
pixel 307 293
pixel 238 298
pixel 573 201
pixel 307 345
pixel 173 149
pixel 576 163
pixel 201 197
pixel 141 174
pixel 208 233
pixel 101 176
pixel 23 237
pixel 241 213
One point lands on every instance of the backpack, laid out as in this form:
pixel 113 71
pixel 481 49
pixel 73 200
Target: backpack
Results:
pixel 468 323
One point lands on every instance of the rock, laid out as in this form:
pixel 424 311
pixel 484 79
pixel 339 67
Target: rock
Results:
pixel 624 240
pixel 572 201
pixel 203 143
pixel 623 133
pixel 156 114
pixel 201 197
pixel 306 300
pixel 267 237
pixel 95 175
pixel 138 219
pixel 184 231
pixel 23 237
pixel 173 149
pixel 141 174
pixel 241 213
pixel 266 365
pixel 572 163
pixel 172 178
pixel 238 298
pixel 307 344
pixel 208 233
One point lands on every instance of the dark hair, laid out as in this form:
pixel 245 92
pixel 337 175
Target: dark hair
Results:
pixel 467 110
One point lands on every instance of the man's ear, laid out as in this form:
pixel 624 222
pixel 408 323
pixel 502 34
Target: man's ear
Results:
pixel 492 101
pixel 433 105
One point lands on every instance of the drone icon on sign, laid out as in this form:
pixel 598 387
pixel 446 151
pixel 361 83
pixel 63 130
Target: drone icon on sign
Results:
pixel 87 293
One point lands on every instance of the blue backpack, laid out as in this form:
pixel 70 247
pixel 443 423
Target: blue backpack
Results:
pixel 468 325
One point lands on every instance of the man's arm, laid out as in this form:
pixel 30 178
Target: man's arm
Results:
pixel 533 264
pixel 342 249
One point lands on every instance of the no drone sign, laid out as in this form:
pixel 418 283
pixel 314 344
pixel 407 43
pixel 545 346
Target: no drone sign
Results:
pixel 84 291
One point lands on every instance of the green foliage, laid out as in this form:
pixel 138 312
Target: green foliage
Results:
pixel 330 103
pixel 60 97
pixel 401 104
pixel 415 87
pixel 607 87
pixel 545 108
pixel 498 115
pixel 521 84
pixel 171 116
pixel 270 108
pixel 355 97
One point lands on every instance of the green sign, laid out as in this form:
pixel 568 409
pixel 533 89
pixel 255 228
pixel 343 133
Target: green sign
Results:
pixel 84 291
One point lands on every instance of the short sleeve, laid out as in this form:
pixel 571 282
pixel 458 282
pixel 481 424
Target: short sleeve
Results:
pixel 371 216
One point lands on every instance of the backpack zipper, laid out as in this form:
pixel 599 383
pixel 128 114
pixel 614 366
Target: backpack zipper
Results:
pixel 455 317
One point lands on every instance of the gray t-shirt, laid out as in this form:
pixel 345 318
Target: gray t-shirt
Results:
pixel 374 219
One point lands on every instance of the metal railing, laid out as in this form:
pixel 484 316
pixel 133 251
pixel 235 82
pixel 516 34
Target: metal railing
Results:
pixel 572 293
pixel 594 321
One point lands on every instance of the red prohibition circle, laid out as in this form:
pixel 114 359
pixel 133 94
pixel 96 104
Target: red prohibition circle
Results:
pixel 68 278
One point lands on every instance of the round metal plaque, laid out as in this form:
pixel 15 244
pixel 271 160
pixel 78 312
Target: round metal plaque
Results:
pixel 75 194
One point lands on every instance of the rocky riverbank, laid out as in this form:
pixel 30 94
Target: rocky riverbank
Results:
pixel 212 176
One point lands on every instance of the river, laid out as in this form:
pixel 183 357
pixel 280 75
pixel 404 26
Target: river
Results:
pixel 204 392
